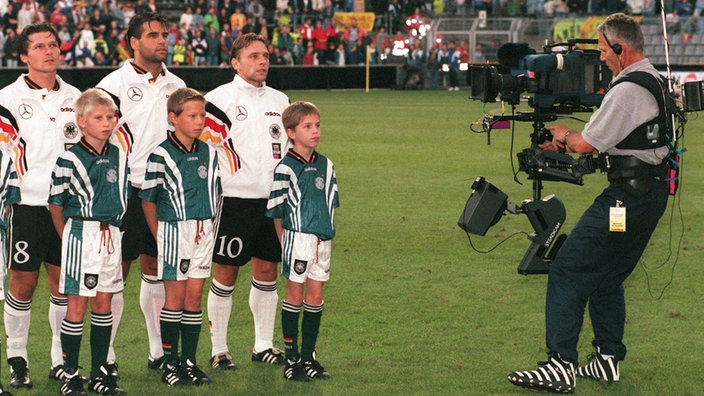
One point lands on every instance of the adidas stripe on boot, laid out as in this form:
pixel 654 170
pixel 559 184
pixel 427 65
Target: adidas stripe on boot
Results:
pixel 600 367
pixel 555 375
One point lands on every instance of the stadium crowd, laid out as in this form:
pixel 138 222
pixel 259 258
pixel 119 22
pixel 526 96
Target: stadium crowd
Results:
pixel 300 32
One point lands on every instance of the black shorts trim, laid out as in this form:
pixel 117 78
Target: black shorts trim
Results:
pixel 32 239
pixel 244 232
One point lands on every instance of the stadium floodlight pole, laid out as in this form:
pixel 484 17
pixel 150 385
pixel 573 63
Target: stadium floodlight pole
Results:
pixel 668 68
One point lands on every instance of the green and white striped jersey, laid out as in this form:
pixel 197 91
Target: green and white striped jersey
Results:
pixel 9 186
pixel 91 185
pixel 182 182
pixel 304 195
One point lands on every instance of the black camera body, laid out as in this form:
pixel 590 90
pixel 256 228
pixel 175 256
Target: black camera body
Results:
pixel 563 79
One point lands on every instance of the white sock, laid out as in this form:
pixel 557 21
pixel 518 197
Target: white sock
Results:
pixel 219 309
pixel 17 317
pixel 151 300
pixel 117 305
pixel 57 313
pixel 263 301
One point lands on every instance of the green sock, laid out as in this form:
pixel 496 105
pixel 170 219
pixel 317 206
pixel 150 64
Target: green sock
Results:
pixel 289 327
pixel 170 323
pixel 309 329
pixel 191 324
pixel 71 335
pixel 100 329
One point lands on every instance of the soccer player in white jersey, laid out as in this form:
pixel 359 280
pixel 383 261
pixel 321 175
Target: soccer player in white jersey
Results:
pixel 38 121
pixel 140 89
pixel 244 121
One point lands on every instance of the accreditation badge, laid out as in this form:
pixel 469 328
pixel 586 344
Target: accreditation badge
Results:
pixel 617 218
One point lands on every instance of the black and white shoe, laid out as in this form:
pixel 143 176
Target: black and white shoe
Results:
pixel 57 372
pixel 223 361
pixel 105 384
pixel 314 370
pixel 155 364
pixel 72 385
pixel 172 375
pixel 600 367
pixel 3 392
pixel 193 374
pixel 555 375
pixel 271 356
pixel 294 371
pixel 19 373
pixel 111 369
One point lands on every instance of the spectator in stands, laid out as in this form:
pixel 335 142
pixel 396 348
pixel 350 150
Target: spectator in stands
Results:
pixel 198 18
pixel 186 17
pixel 100 45
pixel 264 32
pixel 212 38
pixel 212 19
pixel 200 48
pixel 10 49
pixel 140 6
pixel 128 12
pixel 179 57
pixel 326 12
pixel 395 13
pixel 285 40
pixel 26 15
pixel 57 17
pixel 683 8
pixel 452 59
pixel 86 36
pixel 98 21
pixel 354 55
pixel 275 55
pixel 305 30
pixel 255 10
pixel 238 19
pixel 310 58
pixel 354 32
pixel 227 38
pixel 339 56
pixel 435 60
pixel 84 61
pixel 328 56
pixel 381 45
pixel 286 57
pixel 250 27
pixel 117 14
pixel 320 37
pixel 299 50
pixel 9 20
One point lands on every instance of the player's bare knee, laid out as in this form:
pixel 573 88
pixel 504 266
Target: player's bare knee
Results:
pixel 148 265
pixel 22 284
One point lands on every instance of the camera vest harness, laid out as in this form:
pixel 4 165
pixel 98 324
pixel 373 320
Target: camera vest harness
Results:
pixel 656 132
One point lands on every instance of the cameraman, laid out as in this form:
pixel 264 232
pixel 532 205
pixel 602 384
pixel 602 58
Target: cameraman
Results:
pixel 599 255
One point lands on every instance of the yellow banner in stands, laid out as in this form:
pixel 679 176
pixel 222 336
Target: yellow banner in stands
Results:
pixel 364 19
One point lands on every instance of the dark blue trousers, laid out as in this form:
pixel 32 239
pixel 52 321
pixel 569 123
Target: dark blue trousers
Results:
pixel 591 267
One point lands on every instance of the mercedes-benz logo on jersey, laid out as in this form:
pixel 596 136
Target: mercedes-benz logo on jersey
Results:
pixel 90 281
pixel 241 113
pixel 26 111
pixel 202 172
pixel 135 94
pixel 111 176
pixel 275 131
pixel 70 130
pixel 319 183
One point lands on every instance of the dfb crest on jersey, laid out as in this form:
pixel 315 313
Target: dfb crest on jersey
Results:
pixel 299 266
pixel 202 171
pixel 275 131
pixel 319 183
pixel 111 176
pixel 70 130
pixel 90 281
pixel 183 267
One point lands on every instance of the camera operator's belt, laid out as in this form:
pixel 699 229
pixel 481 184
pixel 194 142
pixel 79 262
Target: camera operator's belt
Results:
pixel 631 174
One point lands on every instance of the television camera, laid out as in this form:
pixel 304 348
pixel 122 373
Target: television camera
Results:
pixel 564 79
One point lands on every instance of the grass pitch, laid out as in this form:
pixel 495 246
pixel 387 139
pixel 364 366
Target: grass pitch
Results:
pixel 410 307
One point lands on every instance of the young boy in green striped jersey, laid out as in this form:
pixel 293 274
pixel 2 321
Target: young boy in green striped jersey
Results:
pixel 179 197
pixel 88 198
pixel 302 203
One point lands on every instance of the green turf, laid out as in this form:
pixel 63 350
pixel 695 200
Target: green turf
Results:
pixel 410 307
